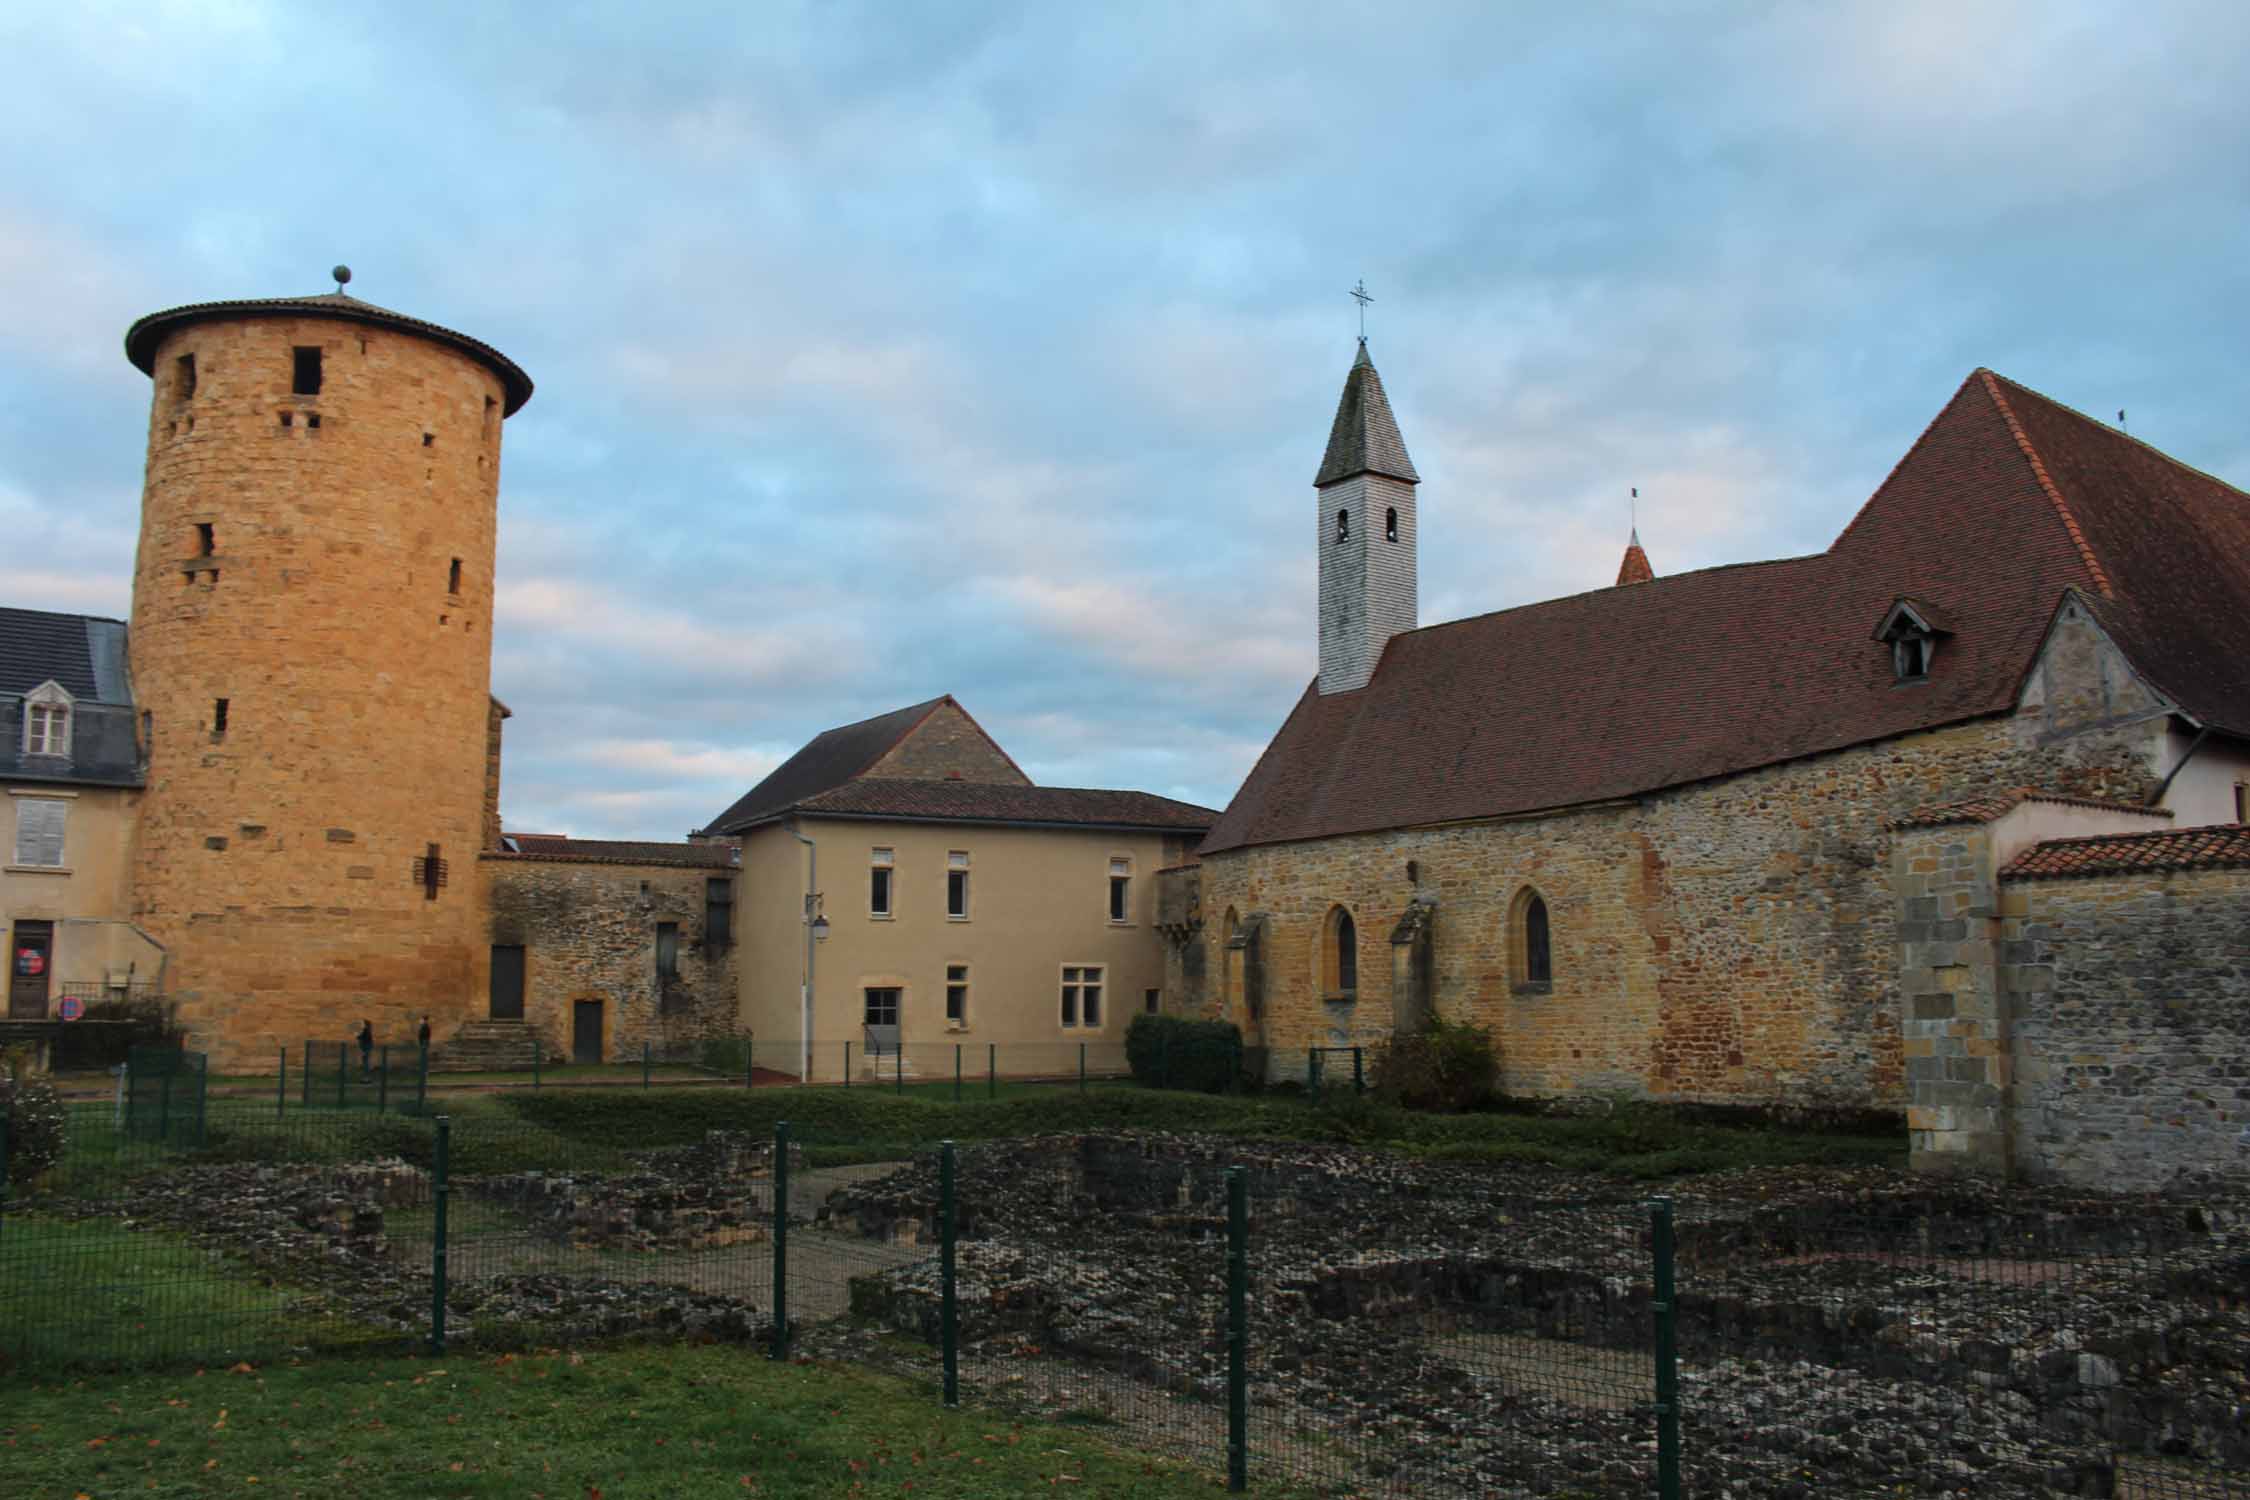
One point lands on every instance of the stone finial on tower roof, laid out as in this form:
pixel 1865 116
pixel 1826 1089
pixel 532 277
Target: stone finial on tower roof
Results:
pixel 1635 568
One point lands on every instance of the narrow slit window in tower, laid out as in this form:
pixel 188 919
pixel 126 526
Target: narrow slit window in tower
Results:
pixel 312 419
pixel 490 406
pixel 218 716
pixel 205 541
pixel 1343 526
pixel 1390 524
pixel 185 389
pixel 305 373
pixel 453 577
pixel 288 419
pixel 429 439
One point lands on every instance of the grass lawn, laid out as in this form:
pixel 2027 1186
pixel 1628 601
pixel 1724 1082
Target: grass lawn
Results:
pixel 98 1293
pixel 599 1129
pixel 869 1124
pixel 608 1425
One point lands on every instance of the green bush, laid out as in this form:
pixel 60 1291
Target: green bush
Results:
pixel 1448 1067
pixel 1173 1052
pixel 81 1048
pixel 34 1115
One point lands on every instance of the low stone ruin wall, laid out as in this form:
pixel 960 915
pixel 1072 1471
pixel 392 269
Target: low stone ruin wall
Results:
pixel 1884 1329
pixel 713 1194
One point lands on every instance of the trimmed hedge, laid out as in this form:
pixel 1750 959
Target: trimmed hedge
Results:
pixel 1172 1052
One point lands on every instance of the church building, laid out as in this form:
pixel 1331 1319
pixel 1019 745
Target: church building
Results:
pixel 1648 836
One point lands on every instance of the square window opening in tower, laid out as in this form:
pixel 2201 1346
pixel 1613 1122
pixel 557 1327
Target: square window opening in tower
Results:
pixel 304 379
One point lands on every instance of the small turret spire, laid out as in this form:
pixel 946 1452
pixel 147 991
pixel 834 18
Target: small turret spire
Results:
pixel 1635 568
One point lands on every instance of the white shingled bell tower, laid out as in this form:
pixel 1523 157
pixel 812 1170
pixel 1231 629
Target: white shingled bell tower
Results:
pixel 1367 574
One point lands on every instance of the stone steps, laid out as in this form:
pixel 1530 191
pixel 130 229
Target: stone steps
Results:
pixel 487 1047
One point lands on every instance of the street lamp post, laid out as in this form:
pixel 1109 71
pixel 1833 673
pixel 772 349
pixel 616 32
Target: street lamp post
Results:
pixel 816 927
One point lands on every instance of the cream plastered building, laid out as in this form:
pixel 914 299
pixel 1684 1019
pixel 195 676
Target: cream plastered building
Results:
pixel 71 773
pixel 910 900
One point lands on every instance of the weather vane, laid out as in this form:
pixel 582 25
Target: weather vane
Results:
pixel 1361 296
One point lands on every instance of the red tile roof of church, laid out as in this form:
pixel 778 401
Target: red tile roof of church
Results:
pixel 2226 846
pixel 1996 805
pixel 2002 504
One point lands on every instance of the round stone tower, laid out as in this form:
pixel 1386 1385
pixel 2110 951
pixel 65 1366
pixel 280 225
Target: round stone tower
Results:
pixel 311 646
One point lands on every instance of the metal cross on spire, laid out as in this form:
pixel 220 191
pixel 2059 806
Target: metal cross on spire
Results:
pixel 1361 296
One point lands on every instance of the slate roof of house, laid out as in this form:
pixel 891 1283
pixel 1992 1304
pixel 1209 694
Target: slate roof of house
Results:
pixel 85 656
pixel 2003 503
pixel 828 759
pixel 555 847
pixel 146 333
pixel 829 777
pixel 2226 846
pixel 995 802
pixel 1364 438
pixel 1997 805
pixel 84 653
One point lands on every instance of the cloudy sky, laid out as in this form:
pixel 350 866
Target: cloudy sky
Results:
pixel 886 350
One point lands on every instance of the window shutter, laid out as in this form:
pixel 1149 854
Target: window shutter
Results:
pixel 39 830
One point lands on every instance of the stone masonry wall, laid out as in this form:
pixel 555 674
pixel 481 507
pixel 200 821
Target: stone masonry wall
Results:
pixel 1954 1021
pixel 2131 1027
pixel 945 745
pixel 588 931
pixel 276 853
pixel 1728 941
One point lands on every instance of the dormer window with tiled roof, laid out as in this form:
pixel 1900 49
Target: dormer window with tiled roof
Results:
pixel 46 721
pixel 1911 629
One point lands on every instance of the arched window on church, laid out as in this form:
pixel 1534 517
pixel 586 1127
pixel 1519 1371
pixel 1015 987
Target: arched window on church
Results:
pixel 1390 524
pixel 1343 526
pixel 1339 962
pixel 1533 944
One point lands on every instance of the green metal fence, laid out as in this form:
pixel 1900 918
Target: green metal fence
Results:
pixel 337 1075
pixel 1291 1316
pixel 165 1094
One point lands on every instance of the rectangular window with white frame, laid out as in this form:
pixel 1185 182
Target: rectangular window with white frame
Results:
pixel 1082 995
pixel 957 886
pixel 881 865
pixel 39 831
pixel 1120 891
pixel 957 996
pixel 46 721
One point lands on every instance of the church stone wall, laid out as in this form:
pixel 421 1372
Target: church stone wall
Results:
pixel 1729 941
pixel 588 931
pixel 2131 1026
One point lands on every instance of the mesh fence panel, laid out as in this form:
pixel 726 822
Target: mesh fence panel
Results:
pixel 1928 1343
pixel 263 1235
pixel 1432 1338
pixel 1413 1328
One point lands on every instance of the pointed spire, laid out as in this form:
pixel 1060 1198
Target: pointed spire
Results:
pixel 1364 439
pixel 1635 568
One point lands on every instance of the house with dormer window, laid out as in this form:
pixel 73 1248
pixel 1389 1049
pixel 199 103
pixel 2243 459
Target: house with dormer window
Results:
pixel 71 769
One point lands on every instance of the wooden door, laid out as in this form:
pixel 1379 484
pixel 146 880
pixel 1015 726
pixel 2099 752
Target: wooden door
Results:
pixel 507 983
pixel 30 970
pixel 586 1032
